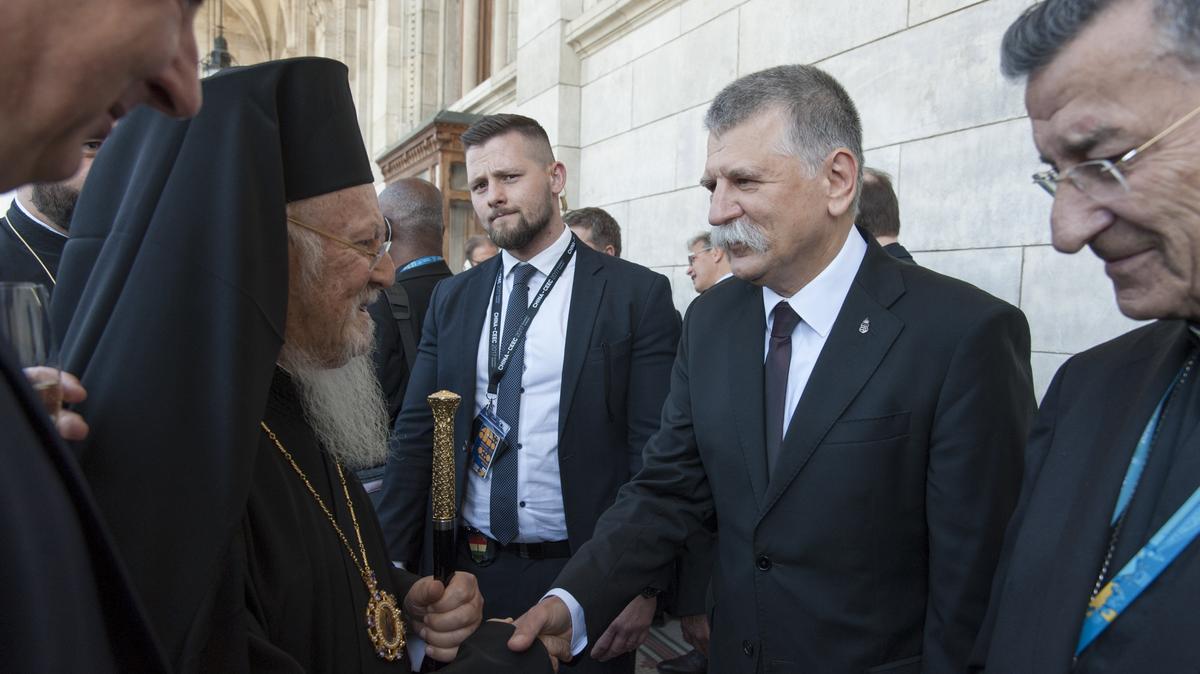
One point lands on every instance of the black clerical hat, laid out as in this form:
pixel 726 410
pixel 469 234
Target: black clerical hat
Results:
pixel 172 294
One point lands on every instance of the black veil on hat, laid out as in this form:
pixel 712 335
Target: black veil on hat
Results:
pixel 173 294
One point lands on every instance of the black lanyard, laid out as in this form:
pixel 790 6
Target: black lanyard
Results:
pixel 498 365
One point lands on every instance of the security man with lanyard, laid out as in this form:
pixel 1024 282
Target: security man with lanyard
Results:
pixel 572 356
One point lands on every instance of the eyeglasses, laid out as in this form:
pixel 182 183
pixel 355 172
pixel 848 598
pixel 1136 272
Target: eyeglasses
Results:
pixel 692 257
pixel 375 256
pixel 1102 179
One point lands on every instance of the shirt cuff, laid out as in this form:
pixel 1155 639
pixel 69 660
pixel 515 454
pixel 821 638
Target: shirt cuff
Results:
pixel 579 640
pixel 416 652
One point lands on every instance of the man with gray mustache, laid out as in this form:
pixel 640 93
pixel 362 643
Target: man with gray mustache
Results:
pixel 855 423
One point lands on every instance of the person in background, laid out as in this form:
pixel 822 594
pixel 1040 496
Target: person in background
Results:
pixel 595 227
pixel 879 213
pixel 707 264
pixel 478 249
pixel 35 230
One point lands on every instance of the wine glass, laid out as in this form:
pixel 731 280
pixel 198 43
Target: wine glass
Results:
pixel 25 325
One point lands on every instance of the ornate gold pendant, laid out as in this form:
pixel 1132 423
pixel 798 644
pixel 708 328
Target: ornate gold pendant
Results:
pixel 384 625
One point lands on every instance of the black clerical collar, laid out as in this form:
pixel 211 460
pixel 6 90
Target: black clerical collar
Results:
pixel 35 220
pixel 284 396
pixel 33 239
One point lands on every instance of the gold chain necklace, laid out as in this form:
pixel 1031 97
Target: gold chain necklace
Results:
pixel 31 251
pixel 384 625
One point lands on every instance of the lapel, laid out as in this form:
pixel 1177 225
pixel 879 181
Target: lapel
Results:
pixel 745 376
pixel 1080 533
pixel 846 363
pixel 586 292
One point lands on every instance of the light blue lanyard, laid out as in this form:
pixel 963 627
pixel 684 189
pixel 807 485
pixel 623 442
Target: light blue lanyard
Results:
pixel 1156 555
pixel 421 261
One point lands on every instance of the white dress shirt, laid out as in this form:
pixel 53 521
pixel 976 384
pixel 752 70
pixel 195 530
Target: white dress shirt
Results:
pixel 817 304
pixel 540 514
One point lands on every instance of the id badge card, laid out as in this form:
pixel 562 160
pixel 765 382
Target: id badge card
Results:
pixel 488 437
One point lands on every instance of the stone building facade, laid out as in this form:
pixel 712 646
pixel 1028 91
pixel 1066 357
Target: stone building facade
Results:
pixel 621 86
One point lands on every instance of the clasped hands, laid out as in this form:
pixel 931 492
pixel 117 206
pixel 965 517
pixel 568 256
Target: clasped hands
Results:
pixel 550 622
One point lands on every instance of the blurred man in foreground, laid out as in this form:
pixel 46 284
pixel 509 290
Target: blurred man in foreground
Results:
pixel 69 70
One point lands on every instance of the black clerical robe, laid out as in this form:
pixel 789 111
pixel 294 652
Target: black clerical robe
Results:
pixel 27 245
pixel 290 597
pixel 1079 451
pixel 68 605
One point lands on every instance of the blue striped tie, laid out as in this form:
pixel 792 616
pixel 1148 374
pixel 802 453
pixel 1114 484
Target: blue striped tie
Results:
pixel 508 406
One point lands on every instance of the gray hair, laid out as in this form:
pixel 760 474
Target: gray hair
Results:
pixel 702 237
pixel 310 250
pixel 823 116
pixel 1043 30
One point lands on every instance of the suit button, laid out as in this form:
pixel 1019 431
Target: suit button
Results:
pixel 748 649
pixel 763 563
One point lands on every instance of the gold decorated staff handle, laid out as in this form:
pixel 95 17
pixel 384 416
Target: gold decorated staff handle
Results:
pixel 444 404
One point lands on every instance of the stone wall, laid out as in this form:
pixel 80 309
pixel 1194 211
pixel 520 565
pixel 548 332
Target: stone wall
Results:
pixel 621 87
pixel 937 115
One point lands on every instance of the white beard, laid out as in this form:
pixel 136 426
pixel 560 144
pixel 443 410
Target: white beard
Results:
pixel 345 407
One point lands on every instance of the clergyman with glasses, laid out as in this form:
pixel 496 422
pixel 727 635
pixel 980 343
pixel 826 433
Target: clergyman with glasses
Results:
pixel 221 327
pixel 1101 569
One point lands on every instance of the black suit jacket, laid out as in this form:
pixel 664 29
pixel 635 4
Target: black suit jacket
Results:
pixel 621 338
pixel 391 363
pixel 872 544
pixel 899 252
pixel 1080 447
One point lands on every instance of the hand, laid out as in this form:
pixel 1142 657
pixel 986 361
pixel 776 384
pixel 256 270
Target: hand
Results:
pixel 695 631
pixel 628 631
pixel 444 616
pixel 69 424
pixel 549 621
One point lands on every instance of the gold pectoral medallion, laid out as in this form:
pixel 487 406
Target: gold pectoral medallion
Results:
pixel 384 624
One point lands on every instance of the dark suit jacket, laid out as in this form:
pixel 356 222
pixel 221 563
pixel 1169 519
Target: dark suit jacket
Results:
pixel 1081 444
pixel 391 363
pixel 621 339
pixel 899 252
pixel 872 544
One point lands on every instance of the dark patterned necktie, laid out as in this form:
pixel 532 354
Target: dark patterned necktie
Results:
pixel 776 367
pixel 508 406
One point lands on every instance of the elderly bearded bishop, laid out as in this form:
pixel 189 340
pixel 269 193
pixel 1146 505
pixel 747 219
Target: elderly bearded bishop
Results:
pixel 215 289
